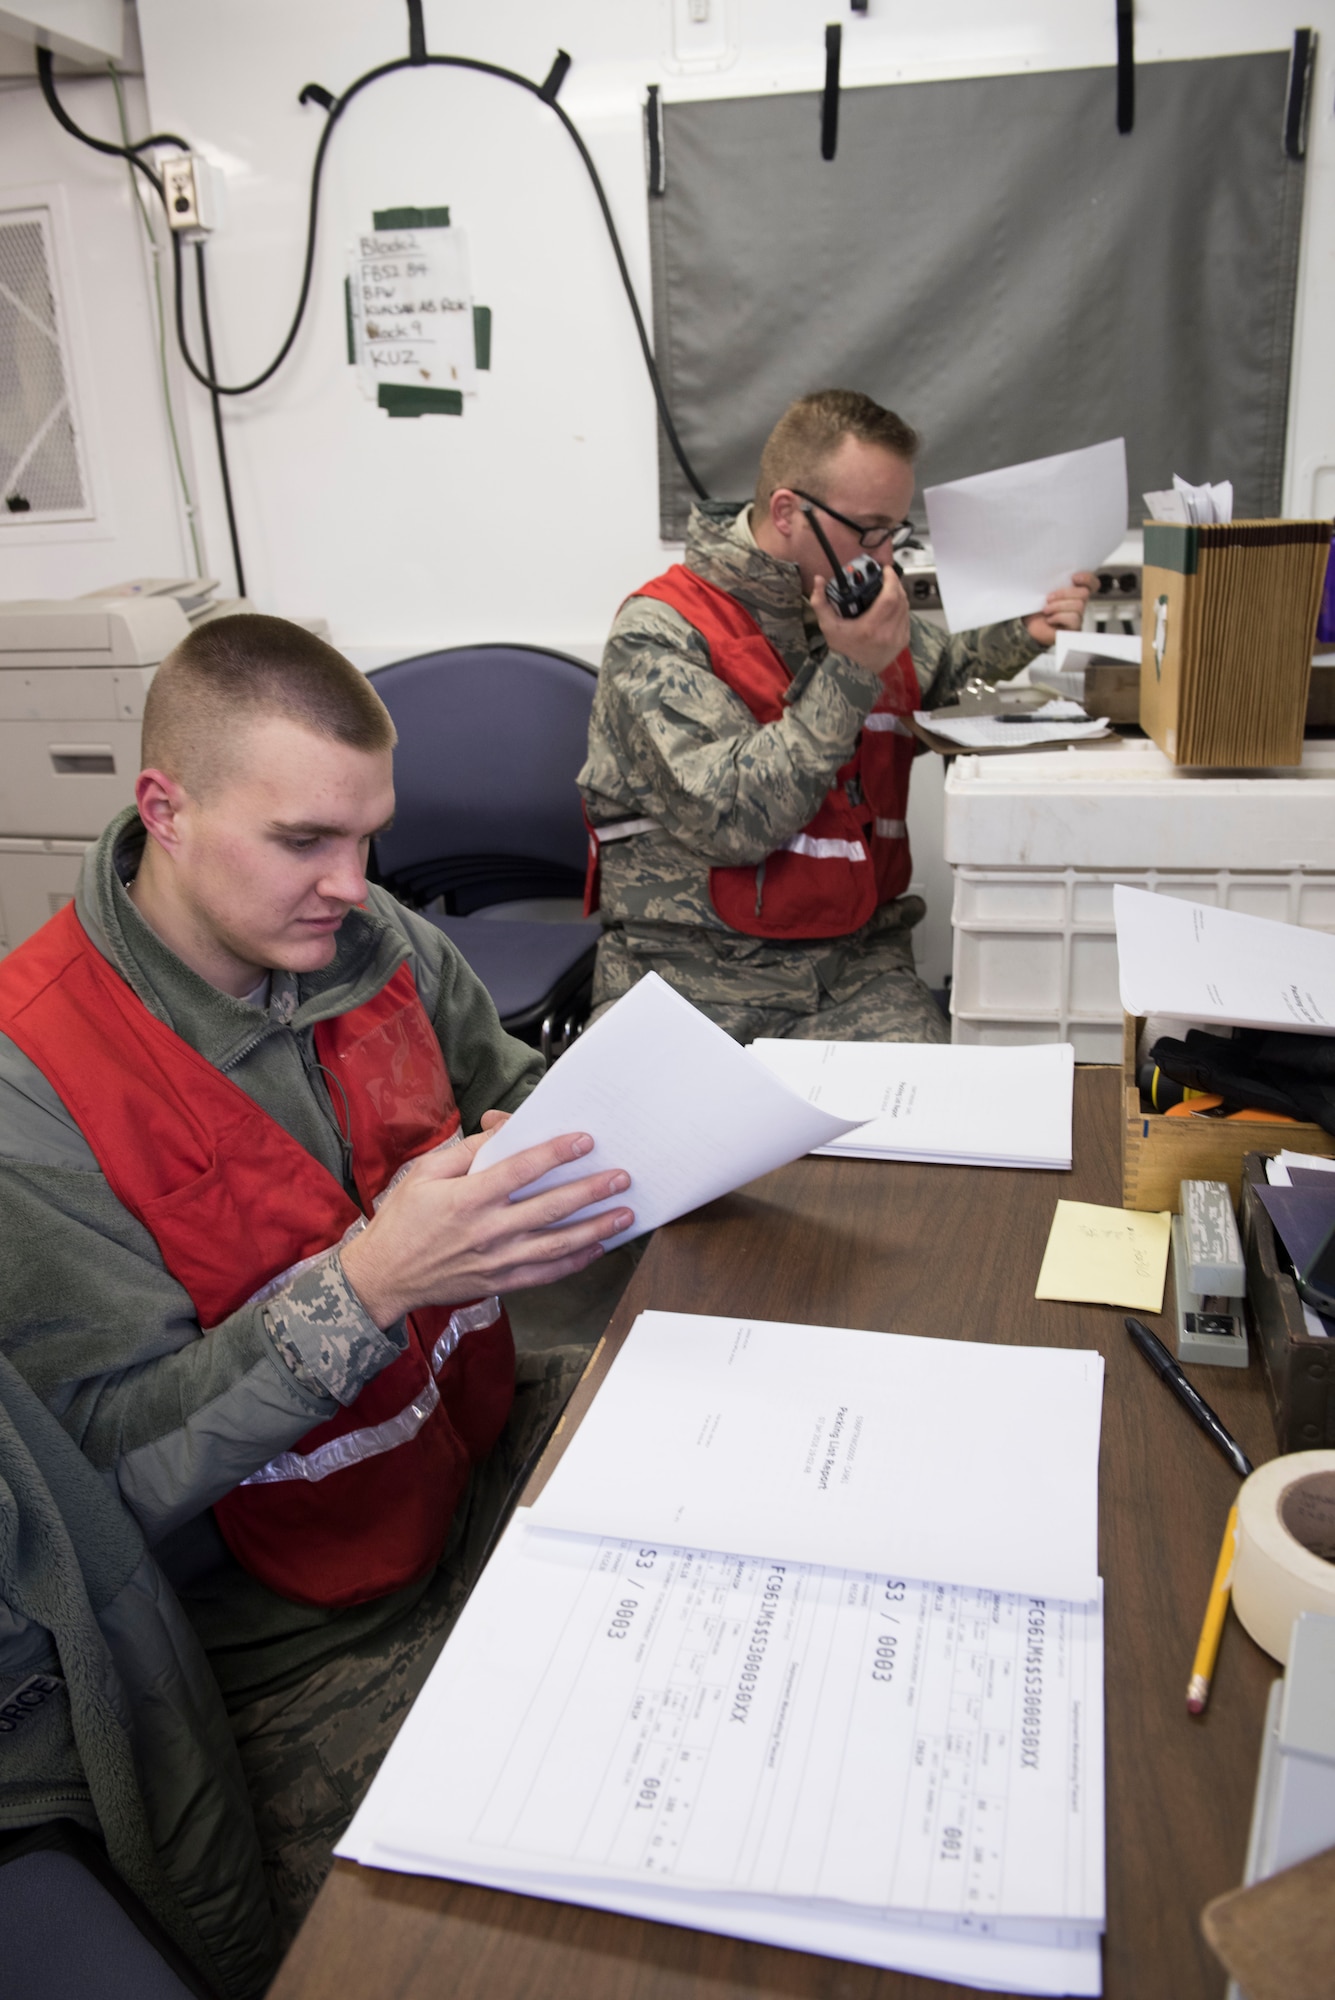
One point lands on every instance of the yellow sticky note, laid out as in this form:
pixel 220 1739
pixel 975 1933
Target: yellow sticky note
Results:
pixel 1106 1256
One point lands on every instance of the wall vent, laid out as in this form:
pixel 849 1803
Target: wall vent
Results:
pixel 43 476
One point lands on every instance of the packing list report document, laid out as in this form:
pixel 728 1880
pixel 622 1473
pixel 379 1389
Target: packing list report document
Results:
pixel 940 1102
pixel 744 1701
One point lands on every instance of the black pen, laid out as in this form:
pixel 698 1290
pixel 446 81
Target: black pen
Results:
pixel 1163 1364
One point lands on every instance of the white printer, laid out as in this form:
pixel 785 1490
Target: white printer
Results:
pixel 73 676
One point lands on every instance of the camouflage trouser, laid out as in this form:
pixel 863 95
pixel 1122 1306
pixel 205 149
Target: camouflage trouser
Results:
pixel 860 988
pixel 310 1753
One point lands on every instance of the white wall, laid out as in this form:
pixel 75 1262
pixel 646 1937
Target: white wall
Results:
pixel 532 515
pixel 536 511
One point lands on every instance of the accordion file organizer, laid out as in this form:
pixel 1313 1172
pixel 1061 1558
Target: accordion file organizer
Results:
pixel 1228 626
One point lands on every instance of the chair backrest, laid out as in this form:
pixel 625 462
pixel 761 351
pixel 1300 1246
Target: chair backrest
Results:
pixel 71 1932
pixel 490 741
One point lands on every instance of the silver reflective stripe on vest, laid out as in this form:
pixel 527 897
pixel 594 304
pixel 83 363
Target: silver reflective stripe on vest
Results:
pixel 826 850
pixel 892 829
pixel 464 1319
pixel 881 723
pixel 352 1447
pixel 622 829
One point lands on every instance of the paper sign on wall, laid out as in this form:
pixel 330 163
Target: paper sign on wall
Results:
pixel 411 301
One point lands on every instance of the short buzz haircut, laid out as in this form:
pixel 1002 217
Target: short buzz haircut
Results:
pixel 233 671
pixel 811 430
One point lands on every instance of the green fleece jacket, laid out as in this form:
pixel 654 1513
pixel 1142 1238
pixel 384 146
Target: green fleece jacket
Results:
pixel 108 1714
pixel 107 1337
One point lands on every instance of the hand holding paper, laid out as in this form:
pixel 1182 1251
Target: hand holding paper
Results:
pixel 672 1099
pixel 440 1237
pixel 1003 540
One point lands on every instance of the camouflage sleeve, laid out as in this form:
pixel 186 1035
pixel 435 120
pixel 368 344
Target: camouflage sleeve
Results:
pixel 324 1333
pixel 946 660
pixel 670 741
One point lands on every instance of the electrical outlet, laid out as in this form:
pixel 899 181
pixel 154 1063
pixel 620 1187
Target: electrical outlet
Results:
pixel 700 35
pixel 190 190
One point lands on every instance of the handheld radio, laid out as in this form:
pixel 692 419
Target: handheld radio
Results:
pixel 853 587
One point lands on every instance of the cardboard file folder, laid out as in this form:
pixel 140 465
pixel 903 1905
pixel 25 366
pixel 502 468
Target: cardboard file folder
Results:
pixel 1228 626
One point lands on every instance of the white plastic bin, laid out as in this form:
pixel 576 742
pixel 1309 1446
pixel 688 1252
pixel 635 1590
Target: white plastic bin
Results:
pixel 1036 843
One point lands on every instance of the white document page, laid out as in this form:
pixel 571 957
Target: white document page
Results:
pixel 967 1462
pixel 939 1102
pixel 1206 503
pixel 1084 649
pixel 1220 966
pixel 667 1095
pixel 1002 540
pixel 731 1732
pixel 994 732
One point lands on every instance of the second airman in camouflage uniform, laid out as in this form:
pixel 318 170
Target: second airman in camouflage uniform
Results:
pixel 672 747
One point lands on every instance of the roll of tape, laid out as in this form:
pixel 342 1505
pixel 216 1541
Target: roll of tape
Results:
pixel 1285 1560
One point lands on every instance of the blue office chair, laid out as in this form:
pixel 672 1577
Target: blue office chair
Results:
pixel 487 824
pixel 71 1929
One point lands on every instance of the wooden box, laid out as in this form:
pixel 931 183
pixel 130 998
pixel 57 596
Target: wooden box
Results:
pixel 1159 1153
pixel 1299 1367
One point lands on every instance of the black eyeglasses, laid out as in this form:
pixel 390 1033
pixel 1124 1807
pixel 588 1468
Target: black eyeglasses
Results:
pixel 899 534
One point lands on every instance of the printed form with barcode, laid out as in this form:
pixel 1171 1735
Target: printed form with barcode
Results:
pixel 781 1730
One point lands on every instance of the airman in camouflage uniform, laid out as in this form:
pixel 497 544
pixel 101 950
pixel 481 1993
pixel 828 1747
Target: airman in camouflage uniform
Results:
pixel 669 742
pixel 174 1416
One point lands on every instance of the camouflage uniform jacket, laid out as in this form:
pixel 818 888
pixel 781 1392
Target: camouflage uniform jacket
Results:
pixel 88 1313
pixel 670 742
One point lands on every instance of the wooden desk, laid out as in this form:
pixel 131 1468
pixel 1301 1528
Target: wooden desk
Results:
pixel 952 1252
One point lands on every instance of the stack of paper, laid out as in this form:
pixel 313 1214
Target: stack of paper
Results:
pixel 1187 503
pixel 946 1104
pixel 1222 967
pixel 706 1680
pixel 667 1096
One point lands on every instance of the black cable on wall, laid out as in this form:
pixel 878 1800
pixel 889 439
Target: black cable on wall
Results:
pixel 46 79
pixel 417 58
pixel 216 400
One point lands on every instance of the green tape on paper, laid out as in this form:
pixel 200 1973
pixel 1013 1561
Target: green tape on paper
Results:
pixel 482 336
pixel 347 322
pixel 401 399
pixel 410 218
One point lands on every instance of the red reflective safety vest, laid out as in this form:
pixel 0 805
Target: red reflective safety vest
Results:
pixel 362 1504
pixel 827 880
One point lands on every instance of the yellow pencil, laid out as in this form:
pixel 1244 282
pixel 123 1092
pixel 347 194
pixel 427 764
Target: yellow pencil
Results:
pixel 1207 1649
